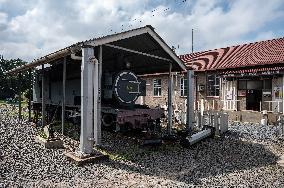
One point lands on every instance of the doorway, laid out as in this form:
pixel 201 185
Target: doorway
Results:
pixel 253 99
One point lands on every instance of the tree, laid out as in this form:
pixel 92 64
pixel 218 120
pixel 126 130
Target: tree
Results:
pixel 9 84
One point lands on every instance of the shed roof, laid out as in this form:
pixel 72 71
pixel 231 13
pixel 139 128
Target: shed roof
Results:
pixel 241 56
pixel 144 40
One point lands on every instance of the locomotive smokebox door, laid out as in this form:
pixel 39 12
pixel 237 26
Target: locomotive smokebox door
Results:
pixel 128 87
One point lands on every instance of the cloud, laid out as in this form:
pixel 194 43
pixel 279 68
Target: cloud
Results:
pixel 3 20
pixel 34 28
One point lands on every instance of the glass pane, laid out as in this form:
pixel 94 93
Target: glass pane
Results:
pixel 267 84
pixel 242 84
pixel 254 84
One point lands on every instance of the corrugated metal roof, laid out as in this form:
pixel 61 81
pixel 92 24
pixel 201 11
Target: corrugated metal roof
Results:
pixel 246 55
pixel 100 41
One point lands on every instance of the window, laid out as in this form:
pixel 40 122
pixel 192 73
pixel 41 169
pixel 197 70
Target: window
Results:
pixel 183 87
pixel 157 86
pixel 267 84
pixel 242 84
pixel 213 85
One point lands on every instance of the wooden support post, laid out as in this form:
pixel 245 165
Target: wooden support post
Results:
pixel 20 95
pixel 63 96
pixel 87 83
pixel 170 106
pixel 282 94
pixel 30 94
pixel 43 112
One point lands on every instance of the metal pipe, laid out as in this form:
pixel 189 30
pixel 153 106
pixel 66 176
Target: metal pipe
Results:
pixel 97 98
pixel 100 58
pixel 199 136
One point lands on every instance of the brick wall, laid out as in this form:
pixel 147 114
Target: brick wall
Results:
pixel 153 101
pixel 178 100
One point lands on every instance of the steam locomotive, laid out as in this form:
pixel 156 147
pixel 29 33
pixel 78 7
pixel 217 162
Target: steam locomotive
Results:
pixel 119 92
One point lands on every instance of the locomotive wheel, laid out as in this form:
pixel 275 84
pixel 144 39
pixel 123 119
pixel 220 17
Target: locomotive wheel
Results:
pixel 107 120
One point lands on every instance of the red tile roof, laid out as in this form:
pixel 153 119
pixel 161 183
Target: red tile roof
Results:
pixel 241 56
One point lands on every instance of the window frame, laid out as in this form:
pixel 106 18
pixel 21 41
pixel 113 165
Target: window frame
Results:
pixel 183 87
pixel 158 87
pixel 215 86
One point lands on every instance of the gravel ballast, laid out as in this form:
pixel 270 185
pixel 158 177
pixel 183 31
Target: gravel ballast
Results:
pixel 246 157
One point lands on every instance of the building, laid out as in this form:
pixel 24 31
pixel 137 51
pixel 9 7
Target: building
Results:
pixel 243 78
pixel 82 76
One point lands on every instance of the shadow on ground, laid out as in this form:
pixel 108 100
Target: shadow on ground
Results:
pixel 209 158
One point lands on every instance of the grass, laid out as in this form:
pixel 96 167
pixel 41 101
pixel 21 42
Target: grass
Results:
pixel 15 111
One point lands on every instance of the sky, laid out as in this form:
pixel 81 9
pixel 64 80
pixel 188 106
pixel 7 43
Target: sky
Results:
pixel 30 29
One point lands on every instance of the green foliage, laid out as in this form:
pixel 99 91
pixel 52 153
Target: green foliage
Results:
pixel 42 134
pixel 9 84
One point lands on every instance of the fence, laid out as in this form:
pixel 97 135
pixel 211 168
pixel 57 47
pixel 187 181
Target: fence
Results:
pixel 274 106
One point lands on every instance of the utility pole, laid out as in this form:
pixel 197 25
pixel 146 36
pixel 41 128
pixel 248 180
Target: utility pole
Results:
pixel 192 41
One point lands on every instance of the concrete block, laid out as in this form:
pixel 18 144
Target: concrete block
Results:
pixel 55 143
pixel 80 159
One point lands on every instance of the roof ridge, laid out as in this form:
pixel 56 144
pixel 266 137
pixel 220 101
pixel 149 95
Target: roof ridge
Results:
pixel 234 46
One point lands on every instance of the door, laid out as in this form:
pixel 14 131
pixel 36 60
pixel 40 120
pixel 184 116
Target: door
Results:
pixel 230 95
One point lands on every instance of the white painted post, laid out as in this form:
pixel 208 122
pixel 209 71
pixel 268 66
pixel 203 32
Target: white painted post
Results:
pixel 208 105
pixel 198 106
pixel 87 69
pixel 260 106
pixel 170 107
pixel 202 107
pixel 190 100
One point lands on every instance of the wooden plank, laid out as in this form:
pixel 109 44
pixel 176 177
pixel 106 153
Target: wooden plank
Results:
pixel 31 94
pixel 20 94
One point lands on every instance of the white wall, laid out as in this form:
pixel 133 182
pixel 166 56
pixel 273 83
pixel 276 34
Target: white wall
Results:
pixel 277 83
